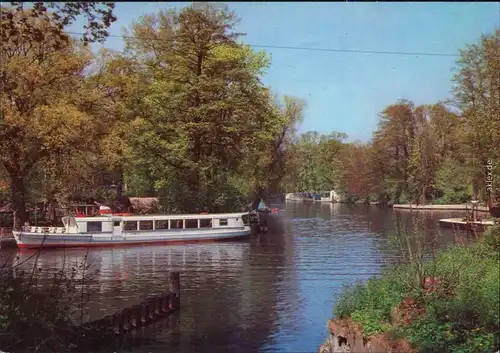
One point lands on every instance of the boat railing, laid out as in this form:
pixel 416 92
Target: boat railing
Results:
pixel 51 230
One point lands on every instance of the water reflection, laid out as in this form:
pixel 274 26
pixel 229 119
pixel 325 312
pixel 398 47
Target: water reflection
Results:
pixel 270 293
pixel 127 275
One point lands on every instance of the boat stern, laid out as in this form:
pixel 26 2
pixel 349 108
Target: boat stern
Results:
pixel 18 237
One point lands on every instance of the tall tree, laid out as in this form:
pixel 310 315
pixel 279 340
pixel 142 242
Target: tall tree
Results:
pixel 205 107
pixel 477 90
pixel 42 113
pixel 99 17
pixel 395 134
pixel 422 163
pixel 269 159
pixel 355 160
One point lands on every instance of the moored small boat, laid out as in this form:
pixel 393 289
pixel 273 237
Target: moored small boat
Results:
pixel 112 229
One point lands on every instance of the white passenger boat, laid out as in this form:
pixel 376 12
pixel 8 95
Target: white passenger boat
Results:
pixel 106 230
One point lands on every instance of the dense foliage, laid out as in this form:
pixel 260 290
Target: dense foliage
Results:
pixel 435 153
pixel 181 113
pixel 462 315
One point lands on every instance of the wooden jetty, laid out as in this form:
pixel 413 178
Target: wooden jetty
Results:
pixel 143 314
pixel 460 223
pixel 460 207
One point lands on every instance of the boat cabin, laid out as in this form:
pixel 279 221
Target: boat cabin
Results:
pixel 154 223
pixel 129 224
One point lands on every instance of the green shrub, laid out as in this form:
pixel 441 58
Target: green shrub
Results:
pixel 349 301
pixel 478 342
pixel 383 294
pixel 371 321
pixel 452 197
pixel 403 199
pixel 439 201
pixel 371 304
pixel 450 180
pixel 469 311
pixel 462 316
pixel 492 237
pixel 430 335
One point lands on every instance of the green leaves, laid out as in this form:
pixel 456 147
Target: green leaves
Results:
pixel 477 89
pixel 205 121
pixel 461 316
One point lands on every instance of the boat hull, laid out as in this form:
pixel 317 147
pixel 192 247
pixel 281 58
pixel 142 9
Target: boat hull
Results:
pixel 28 240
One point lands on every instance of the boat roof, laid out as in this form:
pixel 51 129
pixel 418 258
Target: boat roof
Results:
pixel 159 217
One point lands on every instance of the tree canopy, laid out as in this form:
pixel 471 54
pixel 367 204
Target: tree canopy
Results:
pixel 436 153
pixel 182 114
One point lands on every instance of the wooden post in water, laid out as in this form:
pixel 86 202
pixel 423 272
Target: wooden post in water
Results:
pixel 150 317
pixel 175 287
pixel 116 322
pixel 127 319
pixel 137 319
pixel 164 304
pixel 146 312
pixel 121 323
pixel 262 221
pixel 156 310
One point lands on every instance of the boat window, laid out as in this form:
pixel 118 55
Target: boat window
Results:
pixel 94 226
pixel 176 223
pixel 205 223
pixel 223 222
pixel 130 225
pixel 116 223
pixel 191 223
pixel 145 225
pixel 161 224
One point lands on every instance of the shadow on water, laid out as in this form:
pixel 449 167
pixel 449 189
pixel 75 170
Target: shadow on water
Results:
pixel 271 293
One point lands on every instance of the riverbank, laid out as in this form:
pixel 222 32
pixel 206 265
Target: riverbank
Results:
pixel 458 207
pixel 450 304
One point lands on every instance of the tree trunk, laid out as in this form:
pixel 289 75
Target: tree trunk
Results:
pixel 119 184
pixel 423 198
pixel 18 200
pixel 193 183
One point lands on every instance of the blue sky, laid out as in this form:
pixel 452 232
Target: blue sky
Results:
pixel 346 91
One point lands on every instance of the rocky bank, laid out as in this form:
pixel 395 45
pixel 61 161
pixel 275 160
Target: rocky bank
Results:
pixel 346 336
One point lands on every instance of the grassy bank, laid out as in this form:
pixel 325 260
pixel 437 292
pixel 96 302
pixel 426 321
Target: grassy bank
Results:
pixel 449 303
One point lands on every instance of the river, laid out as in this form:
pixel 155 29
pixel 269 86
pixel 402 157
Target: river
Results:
pixel 271 293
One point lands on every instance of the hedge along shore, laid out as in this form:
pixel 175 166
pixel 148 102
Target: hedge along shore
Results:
pixel 454 309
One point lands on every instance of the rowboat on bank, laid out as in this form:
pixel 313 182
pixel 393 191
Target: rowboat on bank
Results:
pixel 112 229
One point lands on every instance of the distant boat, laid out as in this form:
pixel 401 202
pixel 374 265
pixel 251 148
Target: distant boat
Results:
pixel 113 229
pixel 325 196
pixel 299 196
pixel 293 197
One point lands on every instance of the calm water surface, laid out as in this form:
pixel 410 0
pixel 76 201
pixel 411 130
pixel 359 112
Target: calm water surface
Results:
pixel 270 293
